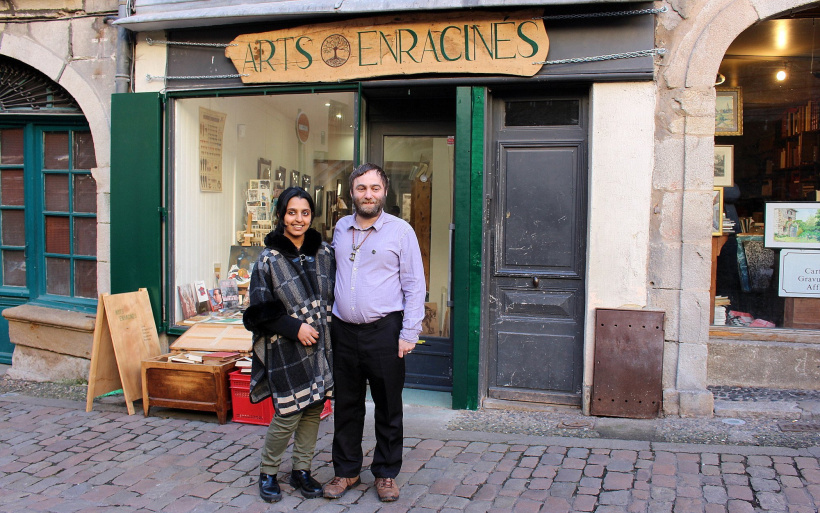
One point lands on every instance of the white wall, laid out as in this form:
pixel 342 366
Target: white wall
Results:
pixel 621 163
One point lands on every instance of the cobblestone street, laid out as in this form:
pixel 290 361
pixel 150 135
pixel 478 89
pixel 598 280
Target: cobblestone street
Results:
pixel 56 457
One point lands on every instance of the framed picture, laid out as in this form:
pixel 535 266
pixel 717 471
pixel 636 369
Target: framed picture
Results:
pixel 294 178
pixel 306 182
pixel 717 211
pixel 792 225
pixel 279 178
pixel 724 165
pixel 729 111
pixel 318 200
pixel 263 169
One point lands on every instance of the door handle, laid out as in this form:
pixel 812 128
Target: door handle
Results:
pixel 535 281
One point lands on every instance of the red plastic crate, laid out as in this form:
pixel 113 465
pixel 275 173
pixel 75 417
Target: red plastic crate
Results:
pixel 243 410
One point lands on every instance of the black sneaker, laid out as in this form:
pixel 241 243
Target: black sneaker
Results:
pixel 269 488
pixel 301 480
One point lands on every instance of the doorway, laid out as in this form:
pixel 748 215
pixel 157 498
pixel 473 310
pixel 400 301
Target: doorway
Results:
pixel 536 248
pixel 411 135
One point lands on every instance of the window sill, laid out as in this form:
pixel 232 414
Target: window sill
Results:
pixel 765 334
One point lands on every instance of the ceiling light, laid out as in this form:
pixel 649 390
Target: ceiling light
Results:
pixel 780 75
pixel 339 116
pixel 327 104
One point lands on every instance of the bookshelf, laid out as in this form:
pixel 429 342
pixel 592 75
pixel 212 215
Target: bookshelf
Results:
pixel 796 159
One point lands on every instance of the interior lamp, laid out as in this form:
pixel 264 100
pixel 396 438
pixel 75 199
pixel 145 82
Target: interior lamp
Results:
pixel 780 75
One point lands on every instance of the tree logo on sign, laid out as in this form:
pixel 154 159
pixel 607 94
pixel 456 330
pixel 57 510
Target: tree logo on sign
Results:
pixel 335 50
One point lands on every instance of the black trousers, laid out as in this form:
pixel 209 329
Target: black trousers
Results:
pixel 365 353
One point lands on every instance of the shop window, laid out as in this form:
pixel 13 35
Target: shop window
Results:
pixel 231 159
pixel 766 236
pixel 53 226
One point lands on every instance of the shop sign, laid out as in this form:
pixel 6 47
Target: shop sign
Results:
pixel 799 273
pixel 467 42
pixel 302 127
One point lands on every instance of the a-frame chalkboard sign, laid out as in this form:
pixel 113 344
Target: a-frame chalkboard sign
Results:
pixel 124 336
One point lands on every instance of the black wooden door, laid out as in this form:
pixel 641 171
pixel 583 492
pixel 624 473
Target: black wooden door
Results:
pixel 537 239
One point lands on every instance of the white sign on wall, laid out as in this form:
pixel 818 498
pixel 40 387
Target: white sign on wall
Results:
pixel 799 273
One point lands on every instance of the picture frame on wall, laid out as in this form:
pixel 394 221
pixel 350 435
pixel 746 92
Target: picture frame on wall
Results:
pixel 318 200
pixel 724 165
pixel 729 111
pixel 279 179
pixel 294 178
pixel 263 169
pixel 792 225
pixel 306 182
pixel 717 211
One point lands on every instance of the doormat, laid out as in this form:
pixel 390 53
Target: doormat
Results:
pixel 800 427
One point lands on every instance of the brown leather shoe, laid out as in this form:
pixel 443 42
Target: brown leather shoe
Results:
pixel 387 489
pixel 338 486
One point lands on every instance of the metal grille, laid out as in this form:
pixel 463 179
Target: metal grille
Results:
pixel 24 89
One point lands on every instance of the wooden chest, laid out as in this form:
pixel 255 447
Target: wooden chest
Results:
pixel 202 386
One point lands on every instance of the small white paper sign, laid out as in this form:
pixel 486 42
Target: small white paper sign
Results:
pixel 799 273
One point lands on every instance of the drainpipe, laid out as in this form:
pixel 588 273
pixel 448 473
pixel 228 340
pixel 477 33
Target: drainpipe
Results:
pixel 122 79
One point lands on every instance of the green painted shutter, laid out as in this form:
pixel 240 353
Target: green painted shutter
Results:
pixel 469 205
pixel 136 196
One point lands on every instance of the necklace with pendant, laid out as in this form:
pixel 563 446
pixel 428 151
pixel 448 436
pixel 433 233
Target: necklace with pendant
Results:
pixel 355 247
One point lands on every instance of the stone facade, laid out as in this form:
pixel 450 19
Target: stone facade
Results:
pixel 73 43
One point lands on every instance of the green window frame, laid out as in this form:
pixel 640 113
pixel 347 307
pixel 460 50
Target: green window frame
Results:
pixel 59 214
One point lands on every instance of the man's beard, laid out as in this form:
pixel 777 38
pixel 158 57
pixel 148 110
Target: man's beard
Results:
pixel 370 210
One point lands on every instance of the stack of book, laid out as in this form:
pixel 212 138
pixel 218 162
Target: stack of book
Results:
pixel 203 357
pixel 244 365
pixel 728 225
pixel 721 302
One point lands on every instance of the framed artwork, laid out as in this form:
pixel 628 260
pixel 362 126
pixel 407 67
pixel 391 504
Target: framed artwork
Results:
pixel 729 111
pixel 724 165
pixel 717 211
pixel 318 200
pixel 294 178
pixel 792 225
pixel 306 182
pixel 263 169
pixel 279 178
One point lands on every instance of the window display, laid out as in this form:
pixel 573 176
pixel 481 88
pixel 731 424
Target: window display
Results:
pixel 767 164
pixel 232 158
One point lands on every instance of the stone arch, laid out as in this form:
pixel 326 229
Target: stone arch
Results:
pixel 696 35
pixel 94 108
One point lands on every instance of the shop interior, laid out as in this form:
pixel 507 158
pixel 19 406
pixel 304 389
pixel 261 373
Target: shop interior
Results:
pixel 232 156
pixel 767 172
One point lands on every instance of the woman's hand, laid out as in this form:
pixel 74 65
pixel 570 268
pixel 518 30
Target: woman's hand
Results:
pixel 307 335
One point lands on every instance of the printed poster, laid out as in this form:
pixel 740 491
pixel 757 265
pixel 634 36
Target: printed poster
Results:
pixel 211 131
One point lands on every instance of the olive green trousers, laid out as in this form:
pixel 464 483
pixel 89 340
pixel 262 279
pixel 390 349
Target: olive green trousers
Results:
pixel 304 427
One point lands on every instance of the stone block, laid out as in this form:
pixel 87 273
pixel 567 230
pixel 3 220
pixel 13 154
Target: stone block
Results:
pixel 671 401
pixel 26 50
pixel 32 364
pixel 696 258
pixel 697 216
pixel 48 329
pixel 700 160
pixel 669 222
pixel 669 374
pixel 92 38
pixel 101 6
pixel 664 265
pixel 52 35
pixel 696 403
pixel 667 300
pixel 694 316
pixel 692 366
pixel 669 160
pixel 777 364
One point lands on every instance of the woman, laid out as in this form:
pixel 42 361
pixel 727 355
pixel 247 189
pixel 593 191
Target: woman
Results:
pixel 291 295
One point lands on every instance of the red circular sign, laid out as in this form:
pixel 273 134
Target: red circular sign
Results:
pixel 302 127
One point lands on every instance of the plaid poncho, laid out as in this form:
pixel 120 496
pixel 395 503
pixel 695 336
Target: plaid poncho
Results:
pixel 289 287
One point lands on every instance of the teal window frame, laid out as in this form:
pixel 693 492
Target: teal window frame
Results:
pixel 34 207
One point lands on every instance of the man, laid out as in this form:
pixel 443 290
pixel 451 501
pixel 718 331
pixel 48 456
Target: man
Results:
pixel 379 305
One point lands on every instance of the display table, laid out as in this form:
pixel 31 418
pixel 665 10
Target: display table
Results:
pixel 201 386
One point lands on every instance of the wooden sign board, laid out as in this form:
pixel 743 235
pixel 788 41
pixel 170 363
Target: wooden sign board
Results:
pixel 464 42
pixel 124 336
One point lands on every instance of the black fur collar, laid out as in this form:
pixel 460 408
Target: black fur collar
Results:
pixel 310 246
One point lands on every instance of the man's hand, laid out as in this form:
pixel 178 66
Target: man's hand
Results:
pixel 307 334
pixel 405 347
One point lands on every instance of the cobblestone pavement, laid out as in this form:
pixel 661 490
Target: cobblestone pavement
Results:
pixel 54 456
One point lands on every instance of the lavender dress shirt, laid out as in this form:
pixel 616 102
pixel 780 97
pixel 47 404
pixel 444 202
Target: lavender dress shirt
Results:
pixel 386 276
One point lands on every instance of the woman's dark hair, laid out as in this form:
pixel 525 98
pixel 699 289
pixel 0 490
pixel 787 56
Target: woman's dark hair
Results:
pixel 282 205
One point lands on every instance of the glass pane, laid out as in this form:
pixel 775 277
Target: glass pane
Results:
pixel 14 268
pixel 84 151
pixel 420 169
pixel 11 186
pixel 85 193
pixel 55 150
pixel 58 276
pixel 14 227
pixel 85 236
pixel 11 146
pixel 85 278
pixel 56 189
pixel 543 113
pixel 57 235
